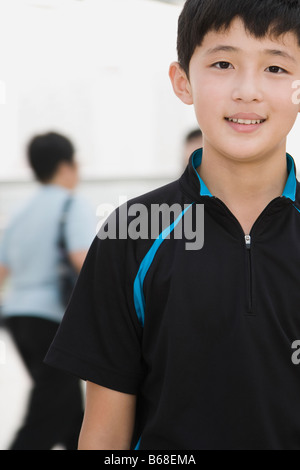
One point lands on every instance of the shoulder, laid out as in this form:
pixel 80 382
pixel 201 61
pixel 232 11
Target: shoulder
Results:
pixel 80 223
pixel 23 210
pixel 140 209
pixel 168 193
pixel 80 206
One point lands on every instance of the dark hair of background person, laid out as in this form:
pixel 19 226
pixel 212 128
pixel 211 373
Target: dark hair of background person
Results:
pixel 260 17
pixel 45 153
pixel 194 134
pixel 192 141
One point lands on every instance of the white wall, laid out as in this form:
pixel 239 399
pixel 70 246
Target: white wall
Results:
pixel 98 71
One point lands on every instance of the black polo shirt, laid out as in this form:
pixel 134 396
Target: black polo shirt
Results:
pixel 206 337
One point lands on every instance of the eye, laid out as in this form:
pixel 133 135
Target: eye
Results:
pixel 276 70
pixel 222 65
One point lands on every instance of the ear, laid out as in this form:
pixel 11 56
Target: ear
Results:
pixel 180 83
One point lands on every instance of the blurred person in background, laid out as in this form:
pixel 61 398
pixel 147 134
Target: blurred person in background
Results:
pixel 193 141
pixel 32 307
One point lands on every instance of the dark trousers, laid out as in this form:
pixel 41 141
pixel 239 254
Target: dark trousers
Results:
pixel 55 409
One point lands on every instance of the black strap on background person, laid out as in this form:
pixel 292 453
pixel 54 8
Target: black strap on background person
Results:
pixel 66 272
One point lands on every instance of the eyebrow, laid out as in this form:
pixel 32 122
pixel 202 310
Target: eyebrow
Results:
pixel 279 53
pixel 222 49
pixel 272 52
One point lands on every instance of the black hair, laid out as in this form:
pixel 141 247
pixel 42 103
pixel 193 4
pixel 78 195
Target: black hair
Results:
pixel 260 17
pixel 194 134
pixel 45 153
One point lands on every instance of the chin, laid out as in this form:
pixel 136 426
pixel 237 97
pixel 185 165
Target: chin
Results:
pixel 244 153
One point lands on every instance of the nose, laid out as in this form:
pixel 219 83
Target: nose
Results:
pixel 247 87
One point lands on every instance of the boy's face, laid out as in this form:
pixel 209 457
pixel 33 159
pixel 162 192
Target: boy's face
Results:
pixel 233 75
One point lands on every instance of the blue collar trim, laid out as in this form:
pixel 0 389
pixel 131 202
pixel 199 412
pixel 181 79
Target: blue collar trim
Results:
pixel 289 190
pixel 291 184
pixel 196 161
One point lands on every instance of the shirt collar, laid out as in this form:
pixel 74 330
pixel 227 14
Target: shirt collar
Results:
pixel 196 161
pixel 289 190
pixel 291 184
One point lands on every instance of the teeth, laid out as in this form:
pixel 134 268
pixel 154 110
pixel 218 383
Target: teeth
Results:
pixel 245 121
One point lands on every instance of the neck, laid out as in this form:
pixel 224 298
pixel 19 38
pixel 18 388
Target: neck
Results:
pixel 245 187
pixel 65 177
pixel 61 184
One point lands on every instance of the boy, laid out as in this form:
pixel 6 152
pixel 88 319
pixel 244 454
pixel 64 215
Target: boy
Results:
pixel 187 348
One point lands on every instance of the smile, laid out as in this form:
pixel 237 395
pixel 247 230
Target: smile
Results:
pixel 246 122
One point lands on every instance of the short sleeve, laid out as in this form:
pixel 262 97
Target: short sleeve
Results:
pixel 99 338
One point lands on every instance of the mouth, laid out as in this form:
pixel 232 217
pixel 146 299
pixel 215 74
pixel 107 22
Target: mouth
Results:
pixel 245 122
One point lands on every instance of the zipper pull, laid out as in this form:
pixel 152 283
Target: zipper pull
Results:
pixel 248 241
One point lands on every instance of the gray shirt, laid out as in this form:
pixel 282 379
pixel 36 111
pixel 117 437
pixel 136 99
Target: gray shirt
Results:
pixel 29 250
